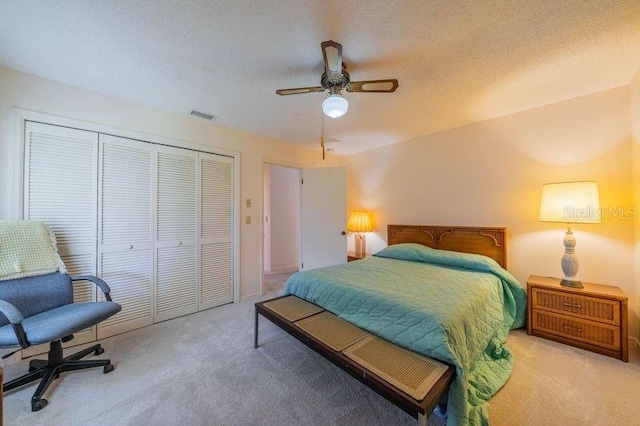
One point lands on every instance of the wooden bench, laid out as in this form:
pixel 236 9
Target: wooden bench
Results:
pixel 296 316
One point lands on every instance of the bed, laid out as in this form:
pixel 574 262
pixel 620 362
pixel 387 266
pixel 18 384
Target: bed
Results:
pixel 441 292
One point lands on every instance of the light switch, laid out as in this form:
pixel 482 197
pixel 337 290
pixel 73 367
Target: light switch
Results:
pixel 247 220
pixel 247 202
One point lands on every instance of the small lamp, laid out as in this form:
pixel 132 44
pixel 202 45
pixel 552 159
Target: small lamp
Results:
pixel 360 222
pixel 570 202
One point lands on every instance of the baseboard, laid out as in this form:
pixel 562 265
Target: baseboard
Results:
pixel 283 269
pixel 250 296
pixel 634 343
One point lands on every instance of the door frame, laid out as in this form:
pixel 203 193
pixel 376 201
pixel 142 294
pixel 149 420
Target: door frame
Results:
pixel 264 163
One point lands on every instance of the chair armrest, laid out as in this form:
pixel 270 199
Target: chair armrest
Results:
pixel 11 312
pixel 103 286
pixel 15 318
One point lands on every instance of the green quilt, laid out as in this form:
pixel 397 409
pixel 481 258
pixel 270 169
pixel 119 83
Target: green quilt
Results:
pixel 450 306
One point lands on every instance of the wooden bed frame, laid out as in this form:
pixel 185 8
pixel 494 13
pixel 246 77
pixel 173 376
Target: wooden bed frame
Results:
pixel 487 241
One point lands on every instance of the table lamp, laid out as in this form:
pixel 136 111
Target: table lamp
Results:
pixel 360 222
pixel 570 202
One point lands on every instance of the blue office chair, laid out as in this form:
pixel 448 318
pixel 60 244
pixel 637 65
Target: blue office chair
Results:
pixel 40 309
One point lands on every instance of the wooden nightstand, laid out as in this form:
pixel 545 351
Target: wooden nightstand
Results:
pixel 351 256
pixel 594 318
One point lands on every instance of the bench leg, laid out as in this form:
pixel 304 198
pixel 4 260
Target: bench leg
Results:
pixel 255 331
pixel 422 420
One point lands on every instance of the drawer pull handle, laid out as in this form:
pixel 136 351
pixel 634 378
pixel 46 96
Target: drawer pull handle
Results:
pixel 572 305
pixel 568 327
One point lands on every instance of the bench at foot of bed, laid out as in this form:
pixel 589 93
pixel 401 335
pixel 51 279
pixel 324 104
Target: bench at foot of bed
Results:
pixel 409 380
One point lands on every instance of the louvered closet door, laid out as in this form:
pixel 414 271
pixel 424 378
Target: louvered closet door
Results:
pixel 60 189
pixel 125 231
pixel 176 236
pixel 216 231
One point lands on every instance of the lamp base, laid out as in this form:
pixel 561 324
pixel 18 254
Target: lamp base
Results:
pixel 571 283
pixel 361 245
pixel 570 261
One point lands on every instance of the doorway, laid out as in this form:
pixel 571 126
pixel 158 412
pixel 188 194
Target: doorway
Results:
pixel 281 226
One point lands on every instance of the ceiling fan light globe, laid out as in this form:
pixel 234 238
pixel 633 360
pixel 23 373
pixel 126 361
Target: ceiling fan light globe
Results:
pixel 335 106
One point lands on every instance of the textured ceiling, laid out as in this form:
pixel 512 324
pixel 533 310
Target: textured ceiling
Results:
pixel 457 62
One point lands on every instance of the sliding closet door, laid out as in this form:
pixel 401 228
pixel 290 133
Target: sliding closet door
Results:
pixel 125 232
pixel 176 233
pixel 216 231
pixel 60 189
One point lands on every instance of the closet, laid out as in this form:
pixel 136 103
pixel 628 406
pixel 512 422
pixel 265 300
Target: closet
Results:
pixel 155 222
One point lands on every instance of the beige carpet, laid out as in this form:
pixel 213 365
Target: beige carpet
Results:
pixel 275 282
pixel 202 370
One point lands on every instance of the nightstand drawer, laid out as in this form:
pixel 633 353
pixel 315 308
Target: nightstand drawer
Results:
pixel 594 333
pixel 590 308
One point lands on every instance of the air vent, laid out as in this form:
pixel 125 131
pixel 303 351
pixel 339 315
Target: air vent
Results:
pixel 204 115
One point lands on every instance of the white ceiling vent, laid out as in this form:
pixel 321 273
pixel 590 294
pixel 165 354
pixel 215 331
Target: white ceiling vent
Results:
pixel 204 115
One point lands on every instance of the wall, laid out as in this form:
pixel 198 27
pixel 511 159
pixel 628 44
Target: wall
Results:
pixel 635 136
pixel 285 218
pixel 266 213
pixel 36 94
pixel 491 173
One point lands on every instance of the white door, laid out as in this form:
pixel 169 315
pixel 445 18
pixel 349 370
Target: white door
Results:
pixel 125 233
pixel 324 217
pixel 176 233
pixel 60 190
pixel 216 231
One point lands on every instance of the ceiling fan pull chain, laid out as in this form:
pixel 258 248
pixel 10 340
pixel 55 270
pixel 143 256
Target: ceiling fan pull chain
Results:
pixel 322 136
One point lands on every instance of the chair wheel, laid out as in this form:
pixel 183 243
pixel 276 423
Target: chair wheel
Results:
pixel 108 368
pixel 99 351
pixel 39 405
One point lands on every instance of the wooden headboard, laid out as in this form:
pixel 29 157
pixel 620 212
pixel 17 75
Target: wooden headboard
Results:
pixel 490 242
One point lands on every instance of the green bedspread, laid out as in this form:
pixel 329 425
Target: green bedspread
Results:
pixel 450 306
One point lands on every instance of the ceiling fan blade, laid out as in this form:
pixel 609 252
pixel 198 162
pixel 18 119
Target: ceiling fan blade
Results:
pixel 332 53
pixel 373 86
pixel 299 90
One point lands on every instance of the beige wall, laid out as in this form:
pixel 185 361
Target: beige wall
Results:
pixel 31 93
pixel 635 136
pixel 491 173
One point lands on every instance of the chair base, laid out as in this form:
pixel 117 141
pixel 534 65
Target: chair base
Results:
pixel 50 369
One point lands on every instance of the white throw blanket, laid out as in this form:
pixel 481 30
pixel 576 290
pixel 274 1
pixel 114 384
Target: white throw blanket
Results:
pixel 27 248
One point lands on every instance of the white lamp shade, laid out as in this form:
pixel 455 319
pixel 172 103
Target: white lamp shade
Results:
pixel 359 221
pixel 335 106
pixel 570 202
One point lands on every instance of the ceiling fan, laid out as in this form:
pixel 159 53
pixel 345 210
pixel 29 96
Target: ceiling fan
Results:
pixel 335 78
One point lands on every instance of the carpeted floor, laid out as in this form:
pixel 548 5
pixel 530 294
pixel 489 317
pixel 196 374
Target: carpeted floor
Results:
pixel 202 370
pixel 275 281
